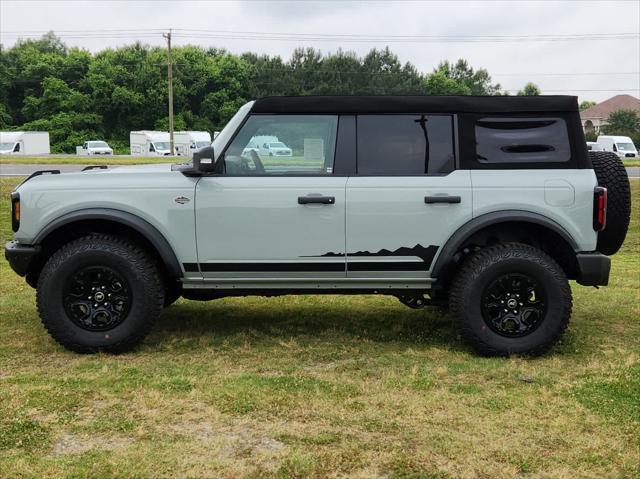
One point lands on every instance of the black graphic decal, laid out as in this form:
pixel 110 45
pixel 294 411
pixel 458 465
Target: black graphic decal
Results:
pixel 425 254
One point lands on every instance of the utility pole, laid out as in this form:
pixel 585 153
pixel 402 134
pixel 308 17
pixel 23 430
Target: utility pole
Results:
pixel 170 82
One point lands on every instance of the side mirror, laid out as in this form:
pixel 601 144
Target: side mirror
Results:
pixel 203 160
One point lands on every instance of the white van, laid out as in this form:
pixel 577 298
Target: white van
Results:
pixel 187 142
pixel 620 145
pixel 24 143
pixel 149 143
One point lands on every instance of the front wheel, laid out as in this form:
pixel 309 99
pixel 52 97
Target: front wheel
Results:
pixel 99 293
pixel 511 299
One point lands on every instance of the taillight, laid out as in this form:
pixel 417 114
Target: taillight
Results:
pixel 599 208
pixel 15 211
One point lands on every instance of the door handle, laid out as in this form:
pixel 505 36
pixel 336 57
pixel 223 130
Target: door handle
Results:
pixel 310 199
pixel 442 199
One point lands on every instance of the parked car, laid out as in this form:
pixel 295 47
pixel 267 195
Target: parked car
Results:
pixel 24 143
pixel 620 145
pixel 594 146
pixel 276 148
pixel 489 205
pixel 94 147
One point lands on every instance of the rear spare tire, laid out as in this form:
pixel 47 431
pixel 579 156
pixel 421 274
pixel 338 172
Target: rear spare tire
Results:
pixel 612 175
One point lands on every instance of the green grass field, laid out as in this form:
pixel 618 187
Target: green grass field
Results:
pixel 320 387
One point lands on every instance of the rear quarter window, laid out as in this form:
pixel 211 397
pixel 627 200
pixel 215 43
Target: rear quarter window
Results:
pixel 521 140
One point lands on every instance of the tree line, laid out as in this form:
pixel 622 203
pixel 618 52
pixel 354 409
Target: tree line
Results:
pixel 77 95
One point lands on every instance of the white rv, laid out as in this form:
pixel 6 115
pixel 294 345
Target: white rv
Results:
pixel 620 145
pixel 186 142
pixel 24 143
pixel 149 143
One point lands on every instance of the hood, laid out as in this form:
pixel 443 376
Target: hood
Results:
pixel 134 175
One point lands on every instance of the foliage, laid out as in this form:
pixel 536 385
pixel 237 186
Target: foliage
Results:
pixel 530 89
pixel 586 104
pixel 79 96
pixel 622 121
pixel 590 136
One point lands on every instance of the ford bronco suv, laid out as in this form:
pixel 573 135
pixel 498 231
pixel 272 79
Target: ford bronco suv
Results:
pixel 489 205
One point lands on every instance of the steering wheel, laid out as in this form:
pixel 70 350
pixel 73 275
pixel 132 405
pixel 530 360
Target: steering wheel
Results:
pixel 257 161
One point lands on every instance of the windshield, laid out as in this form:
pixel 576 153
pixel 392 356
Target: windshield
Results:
pixel 278 145
pixel 202 144
pixel 6 146
pixel 98 144
pixel 626 147
pixel 161 145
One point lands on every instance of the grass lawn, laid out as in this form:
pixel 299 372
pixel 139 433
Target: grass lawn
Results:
pixel 631 162
pixel 323 387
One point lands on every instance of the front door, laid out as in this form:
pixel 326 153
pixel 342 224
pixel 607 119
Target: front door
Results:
pixel 271 219
pixel 406 199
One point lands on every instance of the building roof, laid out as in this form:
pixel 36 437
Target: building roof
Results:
pixel 615 103
pixel 416 104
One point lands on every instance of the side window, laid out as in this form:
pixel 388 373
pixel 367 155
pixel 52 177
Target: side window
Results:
pixel 522 140
pixel 405 144
pixel 292 145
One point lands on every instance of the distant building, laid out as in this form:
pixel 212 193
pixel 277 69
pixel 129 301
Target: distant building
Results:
pixel 593 118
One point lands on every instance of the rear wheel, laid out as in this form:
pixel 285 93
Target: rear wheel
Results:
pixel 510 299
pixel 99 293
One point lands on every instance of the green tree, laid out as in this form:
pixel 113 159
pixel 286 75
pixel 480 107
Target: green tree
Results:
pixel 621 122
pixel 530 89
pixel 478 81
pixel 586 104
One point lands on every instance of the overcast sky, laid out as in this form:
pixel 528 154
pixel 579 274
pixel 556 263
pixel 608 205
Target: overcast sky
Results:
pixel 511 63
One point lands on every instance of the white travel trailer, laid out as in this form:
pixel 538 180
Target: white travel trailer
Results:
pixel 620 145
pixel 149 143
pixel 186 142
pixel 24 143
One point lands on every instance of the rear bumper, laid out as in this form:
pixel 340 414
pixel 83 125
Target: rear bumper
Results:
pixel 19 256
pixel 594 269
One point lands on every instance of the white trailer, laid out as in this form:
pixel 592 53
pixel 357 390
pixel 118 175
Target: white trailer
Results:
pixel 149 143
pixel 187 142
pixel 24 143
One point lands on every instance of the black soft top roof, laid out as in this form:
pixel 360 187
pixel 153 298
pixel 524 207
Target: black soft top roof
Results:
pixel 416 104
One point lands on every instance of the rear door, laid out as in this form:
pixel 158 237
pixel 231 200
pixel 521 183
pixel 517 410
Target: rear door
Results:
pixel 406 199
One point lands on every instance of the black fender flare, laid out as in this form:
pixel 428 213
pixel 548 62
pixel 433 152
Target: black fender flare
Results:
pixel 457 239
pixel 143 227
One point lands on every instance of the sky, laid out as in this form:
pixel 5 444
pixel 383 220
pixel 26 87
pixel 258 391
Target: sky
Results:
pixel 593 69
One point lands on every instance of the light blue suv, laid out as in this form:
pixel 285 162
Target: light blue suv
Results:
pixel 487 204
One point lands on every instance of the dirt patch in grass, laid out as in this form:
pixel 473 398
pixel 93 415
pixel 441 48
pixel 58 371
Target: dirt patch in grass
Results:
pixel 70 443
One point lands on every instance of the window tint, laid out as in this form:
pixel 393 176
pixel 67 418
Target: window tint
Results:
pixel 522 140
pixel 405 144
pixel 283 144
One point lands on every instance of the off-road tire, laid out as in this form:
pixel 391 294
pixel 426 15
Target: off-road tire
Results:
pixel 480 270
pixel 612 175
pixel 131 262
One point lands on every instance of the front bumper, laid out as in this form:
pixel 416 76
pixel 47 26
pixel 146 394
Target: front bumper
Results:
pixel 20 256
pixel 593 268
